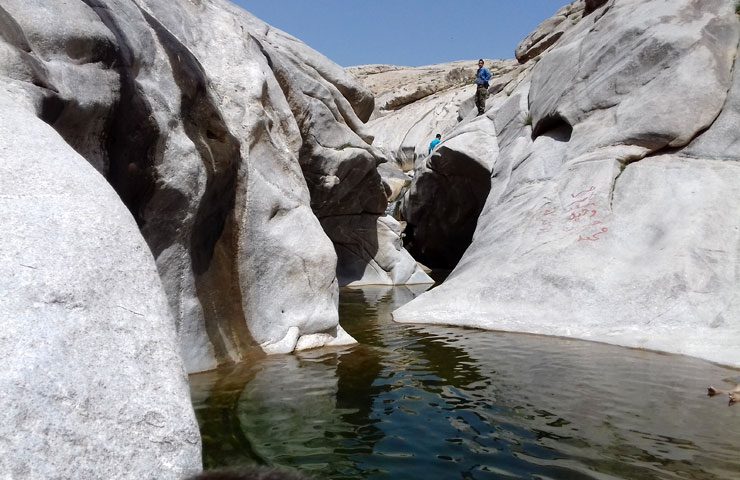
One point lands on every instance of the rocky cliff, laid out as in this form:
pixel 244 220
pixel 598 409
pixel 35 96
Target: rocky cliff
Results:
pixel 182 186
pixel 229 163
pixel 614 205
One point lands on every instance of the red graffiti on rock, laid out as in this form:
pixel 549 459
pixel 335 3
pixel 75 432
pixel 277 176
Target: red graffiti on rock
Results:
pixel 582 216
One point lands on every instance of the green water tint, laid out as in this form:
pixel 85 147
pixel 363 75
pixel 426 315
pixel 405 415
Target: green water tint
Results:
pixel 414 402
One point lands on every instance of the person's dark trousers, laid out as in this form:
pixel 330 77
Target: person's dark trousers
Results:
pixel 481 95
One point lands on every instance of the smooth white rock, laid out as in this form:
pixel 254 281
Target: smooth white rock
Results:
pixel 591 229
pixel 93 384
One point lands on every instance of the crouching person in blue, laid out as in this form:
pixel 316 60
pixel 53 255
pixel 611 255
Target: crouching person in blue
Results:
pixel 437 140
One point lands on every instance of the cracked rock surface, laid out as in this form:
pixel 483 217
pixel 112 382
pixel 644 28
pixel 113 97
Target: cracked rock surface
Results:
pixel 614 205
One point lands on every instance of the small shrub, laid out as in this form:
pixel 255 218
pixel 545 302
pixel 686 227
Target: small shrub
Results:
pixel 528 120
pixel 737 7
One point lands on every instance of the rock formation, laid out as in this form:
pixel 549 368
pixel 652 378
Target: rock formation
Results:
pixel 341 167
pixel 229 163
pixel 613 211
pixel 164 205
pixel 414 105
pixel 92 381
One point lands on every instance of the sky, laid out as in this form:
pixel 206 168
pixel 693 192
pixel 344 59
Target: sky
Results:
pixel 406 32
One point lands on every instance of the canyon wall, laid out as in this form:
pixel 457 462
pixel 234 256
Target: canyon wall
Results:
pixel 614 206
pixel 183 186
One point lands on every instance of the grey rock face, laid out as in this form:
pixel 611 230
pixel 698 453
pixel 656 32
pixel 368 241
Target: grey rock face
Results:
pixel 613 210
pixel 210 154
pixel 721 141
pixel 613 81
pixel 92 380
pixel 225 161
pixel 550 31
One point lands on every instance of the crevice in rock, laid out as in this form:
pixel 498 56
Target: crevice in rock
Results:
pixel 443 208
pixel 627 161
pixel 553 125
pixel 356 243
pixel 214 236
pixel 592 5
pixel 51 108
pixel 540 46
pixel 131 132
pixel 622 168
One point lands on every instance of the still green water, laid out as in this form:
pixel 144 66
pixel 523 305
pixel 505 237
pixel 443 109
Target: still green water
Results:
pixel 412 402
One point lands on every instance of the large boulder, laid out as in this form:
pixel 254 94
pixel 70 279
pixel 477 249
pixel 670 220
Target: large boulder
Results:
pixel 340 164
pixel 613 212
pixel 92 380
pixel 235 258
pixel 448 193
pixel 229 163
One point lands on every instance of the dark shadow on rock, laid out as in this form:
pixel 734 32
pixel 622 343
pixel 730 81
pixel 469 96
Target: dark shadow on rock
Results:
pixel 554 126
pixel 592 5
pixel 443 207
pixel 214 237
pixel 355 239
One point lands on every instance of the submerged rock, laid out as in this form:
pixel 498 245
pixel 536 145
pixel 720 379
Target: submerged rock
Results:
pixel 613 211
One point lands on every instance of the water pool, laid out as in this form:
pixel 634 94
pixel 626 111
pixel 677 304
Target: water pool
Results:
pixel 421 402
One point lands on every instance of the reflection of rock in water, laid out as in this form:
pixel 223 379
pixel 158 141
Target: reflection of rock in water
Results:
pixel 445 402
pixel 388 298
pixel 216 398
pixel 609 407
pixel 298 412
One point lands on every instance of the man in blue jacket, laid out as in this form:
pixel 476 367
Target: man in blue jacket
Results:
pixel 482 77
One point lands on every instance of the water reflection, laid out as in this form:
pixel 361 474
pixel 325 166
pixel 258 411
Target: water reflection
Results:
pixel 441 402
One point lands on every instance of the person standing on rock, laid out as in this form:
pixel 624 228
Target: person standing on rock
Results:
pixel 434 143
pixel 482 77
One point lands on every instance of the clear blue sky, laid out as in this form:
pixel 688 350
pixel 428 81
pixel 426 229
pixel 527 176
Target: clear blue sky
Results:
pixel 406 32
